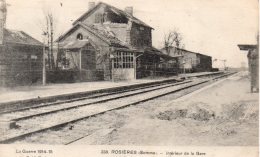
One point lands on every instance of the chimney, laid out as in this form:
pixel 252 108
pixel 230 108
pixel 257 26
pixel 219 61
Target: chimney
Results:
pixel 91 5
pixel 129 10
pixel 2 19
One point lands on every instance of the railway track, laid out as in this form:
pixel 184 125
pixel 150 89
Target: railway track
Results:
pixel 94 95
pixel 59 99
pixel 72 104
pixel 51 116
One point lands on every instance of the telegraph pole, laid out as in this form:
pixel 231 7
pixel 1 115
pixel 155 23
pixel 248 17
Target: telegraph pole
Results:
pixel 224 63
pixel 43 61
pixel 51 29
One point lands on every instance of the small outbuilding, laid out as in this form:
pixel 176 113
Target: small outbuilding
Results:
pixel 189 61
pixel 20 59
pixel 253 64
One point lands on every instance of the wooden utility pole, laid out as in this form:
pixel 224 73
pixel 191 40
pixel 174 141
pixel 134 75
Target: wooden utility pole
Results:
pixel 43 65
pixel 224 63
pixel 43 59
pixel 48 39
pixel 51 45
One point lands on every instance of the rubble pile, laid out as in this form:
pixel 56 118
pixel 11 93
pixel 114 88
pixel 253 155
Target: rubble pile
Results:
pixel 195 112
pixel 240 111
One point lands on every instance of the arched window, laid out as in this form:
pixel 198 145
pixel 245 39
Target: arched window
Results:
pixel 80 36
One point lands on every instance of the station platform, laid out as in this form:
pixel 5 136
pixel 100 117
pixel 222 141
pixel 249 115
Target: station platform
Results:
pixel 31 93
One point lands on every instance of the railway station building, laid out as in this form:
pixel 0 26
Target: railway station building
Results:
pixel 107 43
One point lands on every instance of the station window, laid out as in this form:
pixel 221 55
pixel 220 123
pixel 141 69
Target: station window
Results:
pixel 124 60
pixel 80 36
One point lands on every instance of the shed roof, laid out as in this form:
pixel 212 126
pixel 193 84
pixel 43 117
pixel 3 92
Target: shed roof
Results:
pixel 184 50
pixel 19 37
pixel 246 47
pixel 154 51
pixel 114 9
pixel 77 44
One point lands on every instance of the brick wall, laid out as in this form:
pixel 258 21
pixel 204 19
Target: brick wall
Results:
pixel 205 63
pixel 20 65
pixel 140 36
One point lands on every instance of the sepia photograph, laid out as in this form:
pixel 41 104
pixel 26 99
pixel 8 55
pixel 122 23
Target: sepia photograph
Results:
pixel 129 78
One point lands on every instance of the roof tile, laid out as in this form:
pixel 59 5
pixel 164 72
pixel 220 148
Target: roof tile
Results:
pixel 19 37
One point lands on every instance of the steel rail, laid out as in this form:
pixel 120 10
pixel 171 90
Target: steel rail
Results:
pixel 96 102
pixel 88 97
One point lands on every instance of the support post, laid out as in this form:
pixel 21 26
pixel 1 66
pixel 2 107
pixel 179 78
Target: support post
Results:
pixel 134 63
pixel 183 63
pixel 112 57
pixel 80 63
pixel 112 70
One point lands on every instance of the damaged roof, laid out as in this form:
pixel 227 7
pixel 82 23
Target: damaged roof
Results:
pixel 115 10
pixel 154 51
pixel 19 37
pixel 101 31
pixel 105 33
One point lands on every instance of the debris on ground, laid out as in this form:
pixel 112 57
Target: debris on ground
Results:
pixel 195 112
pixel 244 110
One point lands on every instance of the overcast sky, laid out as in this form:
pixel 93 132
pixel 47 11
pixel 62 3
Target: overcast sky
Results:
pixel 212 27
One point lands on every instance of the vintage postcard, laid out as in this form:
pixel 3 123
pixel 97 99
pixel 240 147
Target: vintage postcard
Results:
pixel 129 78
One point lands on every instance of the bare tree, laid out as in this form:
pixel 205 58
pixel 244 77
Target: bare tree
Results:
pixel 173 39
pixel 50 30
pixel 60 54
pixel 47 26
